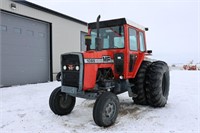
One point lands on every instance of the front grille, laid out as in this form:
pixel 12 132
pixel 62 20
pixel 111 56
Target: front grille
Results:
pixel 70 75
pixel 71 79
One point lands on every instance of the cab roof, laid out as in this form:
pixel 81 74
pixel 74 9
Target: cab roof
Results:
pixel 115 22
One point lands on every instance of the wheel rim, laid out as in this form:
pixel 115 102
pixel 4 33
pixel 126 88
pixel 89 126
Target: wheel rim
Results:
pixel 63 101
pixel 109 111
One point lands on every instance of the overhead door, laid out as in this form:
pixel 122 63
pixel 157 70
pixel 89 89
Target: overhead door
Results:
pixel 24 50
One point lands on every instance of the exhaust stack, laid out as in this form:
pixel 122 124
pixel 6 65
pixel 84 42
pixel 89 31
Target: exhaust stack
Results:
pixel 98 40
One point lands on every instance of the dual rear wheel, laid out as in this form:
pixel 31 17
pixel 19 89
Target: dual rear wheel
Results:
pixel 152 84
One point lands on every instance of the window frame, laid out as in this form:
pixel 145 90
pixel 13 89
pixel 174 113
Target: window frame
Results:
pixel 113 38
pixel 82 41
pixel 144 45
pixel 3 28
pixel 136 35
pixel 17 30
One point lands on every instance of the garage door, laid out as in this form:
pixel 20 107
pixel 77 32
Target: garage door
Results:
pixel 24 50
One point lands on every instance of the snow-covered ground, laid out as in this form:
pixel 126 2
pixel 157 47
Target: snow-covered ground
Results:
pixel 26 109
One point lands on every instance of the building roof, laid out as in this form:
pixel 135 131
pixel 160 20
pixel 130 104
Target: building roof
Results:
pixel 114 22
pixel 44 9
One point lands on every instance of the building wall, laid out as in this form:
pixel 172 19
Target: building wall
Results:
pixel 65 33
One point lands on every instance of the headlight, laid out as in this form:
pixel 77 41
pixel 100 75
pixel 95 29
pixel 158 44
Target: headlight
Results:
pixel 64 67
pixel 77 68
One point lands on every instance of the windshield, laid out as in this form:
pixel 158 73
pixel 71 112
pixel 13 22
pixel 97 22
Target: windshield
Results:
pixel 112 37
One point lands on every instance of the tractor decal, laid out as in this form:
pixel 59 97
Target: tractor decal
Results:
pixel 104 59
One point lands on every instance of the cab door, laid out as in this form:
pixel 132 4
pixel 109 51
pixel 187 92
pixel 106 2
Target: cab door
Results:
pixel 136 51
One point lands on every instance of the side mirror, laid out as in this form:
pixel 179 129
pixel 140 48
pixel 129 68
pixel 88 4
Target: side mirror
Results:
pixel 88 40
pixel 149 51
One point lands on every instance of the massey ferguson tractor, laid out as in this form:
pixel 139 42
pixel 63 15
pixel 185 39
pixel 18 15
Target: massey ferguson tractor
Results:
pixel 114 63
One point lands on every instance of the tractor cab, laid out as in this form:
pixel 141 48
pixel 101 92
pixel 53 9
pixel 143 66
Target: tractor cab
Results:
pixel 116 34
pixel 121 41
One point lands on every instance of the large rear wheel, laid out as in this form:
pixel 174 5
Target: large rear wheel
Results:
pixel 157 84
pixel 139 84
pixel 61 103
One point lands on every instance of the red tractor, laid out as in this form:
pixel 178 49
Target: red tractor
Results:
pixel 113 63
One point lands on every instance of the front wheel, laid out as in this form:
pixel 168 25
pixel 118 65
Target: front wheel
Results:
pixel 106 109
pixel 61 103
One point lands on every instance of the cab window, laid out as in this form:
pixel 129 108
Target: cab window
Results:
pixel 142 46
pixel 112 37
pixel 133 39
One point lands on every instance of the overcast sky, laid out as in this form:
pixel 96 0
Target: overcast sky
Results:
pixel 173 24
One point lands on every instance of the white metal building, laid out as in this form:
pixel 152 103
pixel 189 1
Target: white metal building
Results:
pixel 31 41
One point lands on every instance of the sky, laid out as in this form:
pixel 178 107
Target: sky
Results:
pixel 174 25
